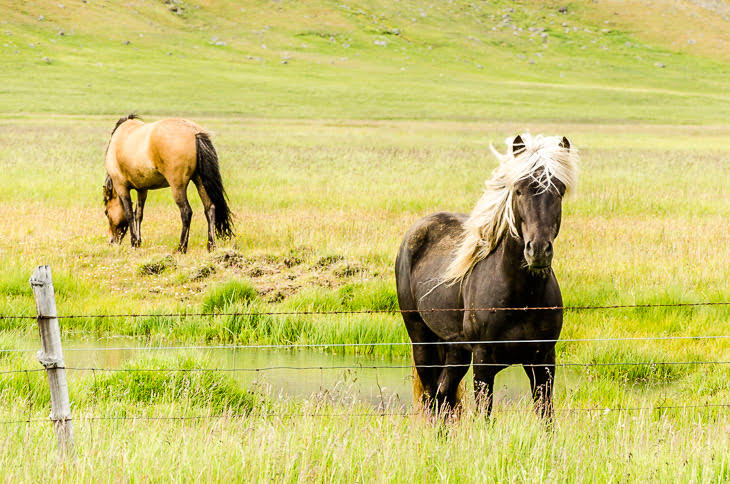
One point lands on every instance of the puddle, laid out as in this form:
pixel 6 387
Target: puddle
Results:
pixel 382 382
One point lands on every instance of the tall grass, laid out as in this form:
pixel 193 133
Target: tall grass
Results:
pixel 513 447
pixel 127 425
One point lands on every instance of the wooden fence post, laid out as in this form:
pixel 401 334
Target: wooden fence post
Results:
pixel 51 356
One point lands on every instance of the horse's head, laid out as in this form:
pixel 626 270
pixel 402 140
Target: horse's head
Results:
pixel 114 212
pixel 537 202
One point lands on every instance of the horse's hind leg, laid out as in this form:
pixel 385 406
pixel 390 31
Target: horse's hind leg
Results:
pixel 426 357
pixel 179 194
pixel 139 212
pixel 455 367
pixel 209 211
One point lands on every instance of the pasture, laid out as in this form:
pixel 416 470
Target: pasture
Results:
pixel 327 159
pixel 648 224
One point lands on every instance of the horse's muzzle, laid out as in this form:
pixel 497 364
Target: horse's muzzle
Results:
pixel 116 236
pixel 539 254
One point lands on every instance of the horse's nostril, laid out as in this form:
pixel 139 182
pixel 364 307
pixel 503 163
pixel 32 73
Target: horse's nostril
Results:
pixel 549 249
pixel 529 246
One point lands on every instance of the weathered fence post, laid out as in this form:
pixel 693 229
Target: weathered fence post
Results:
pixel 51 356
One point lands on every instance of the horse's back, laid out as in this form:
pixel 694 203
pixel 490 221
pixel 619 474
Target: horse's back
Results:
pixel 173 140
pixel 152 155
pixel 426 251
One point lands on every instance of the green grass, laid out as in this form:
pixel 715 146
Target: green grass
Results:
pixel 455 60
pixel 247 436
pixel 328 158
pixel 647 224
pixel 222 297
pixel 514 447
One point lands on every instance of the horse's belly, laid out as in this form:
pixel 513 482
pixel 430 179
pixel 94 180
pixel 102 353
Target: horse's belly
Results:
pixel 436 302
pixel 149 181
pixel 526 338
pixel 142 174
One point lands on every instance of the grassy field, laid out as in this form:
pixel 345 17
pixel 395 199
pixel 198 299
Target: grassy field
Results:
pixel 409 59
pixel 338 124
pixel 321 206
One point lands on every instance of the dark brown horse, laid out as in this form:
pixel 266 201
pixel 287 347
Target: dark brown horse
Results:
pixel 166 153
pixel 498 256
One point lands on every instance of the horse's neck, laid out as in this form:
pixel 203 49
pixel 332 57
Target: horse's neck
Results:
pixel 511 251
pixel 511 259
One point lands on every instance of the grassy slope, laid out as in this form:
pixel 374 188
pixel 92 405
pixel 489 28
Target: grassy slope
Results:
pixel 454 60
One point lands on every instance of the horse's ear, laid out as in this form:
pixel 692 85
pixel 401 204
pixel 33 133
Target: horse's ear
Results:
pixel 564 143
pixel 108 188
pixel 518 145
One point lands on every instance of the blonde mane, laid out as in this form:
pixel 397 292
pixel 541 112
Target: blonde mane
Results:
pixel 543 159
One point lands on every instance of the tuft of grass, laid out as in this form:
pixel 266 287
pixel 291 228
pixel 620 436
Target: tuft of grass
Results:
pixel 228 294
pixel 155 381
pixel 377 295
pixel 327 260
pixel 157 266
pixel 297 255
pixel 202 272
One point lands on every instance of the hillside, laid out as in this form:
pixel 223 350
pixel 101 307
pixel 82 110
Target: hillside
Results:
pixel 661 61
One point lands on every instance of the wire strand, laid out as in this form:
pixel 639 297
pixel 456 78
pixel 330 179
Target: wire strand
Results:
pixel 367 311
pixel 569 410
pixel 397 367
pixel 376 344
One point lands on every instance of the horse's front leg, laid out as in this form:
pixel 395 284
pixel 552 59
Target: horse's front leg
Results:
pixel 179 194
pixel 484 372
pixel 542 382
pixel 126 199
pixel 139 213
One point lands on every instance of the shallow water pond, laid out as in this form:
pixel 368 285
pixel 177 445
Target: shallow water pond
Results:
pixel 384 382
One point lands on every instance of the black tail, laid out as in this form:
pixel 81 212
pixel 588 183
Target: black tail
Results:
pixel 210 175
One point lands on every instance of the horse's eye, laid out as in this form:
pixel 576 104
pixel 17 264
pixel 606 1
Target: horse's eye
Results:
pixel 518 192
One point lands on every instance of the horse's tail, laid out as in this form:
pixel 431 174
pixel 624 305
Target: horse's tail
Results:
pixel 418 390
pixel 209 172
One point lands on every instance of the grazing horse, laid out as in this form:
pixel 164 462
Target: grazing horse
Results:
pixel 499 256
pixel 170 152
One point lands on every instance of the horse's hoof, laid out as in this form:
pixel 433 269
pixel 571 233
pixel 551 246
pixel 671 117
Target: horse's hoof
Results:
pixel 211 247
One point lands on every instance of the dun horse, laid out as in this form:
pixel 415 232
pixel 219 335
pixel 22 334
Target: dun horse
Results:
pixel 498 256
pixel 170 152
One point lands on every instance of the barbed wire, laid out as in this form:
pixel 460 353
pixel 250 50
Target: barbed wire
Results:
pixel 371 367
pixel 365 311
pixel 565 410
pixel 297 346
pixel 33 370
pixel 396 367
pixel 604 410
